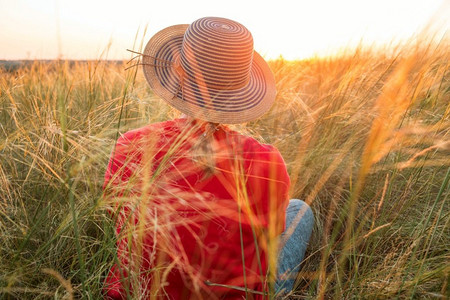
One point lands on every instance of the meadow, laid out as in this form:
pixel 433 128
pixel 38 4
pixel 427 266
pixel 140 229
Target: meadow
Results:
pixel 364 133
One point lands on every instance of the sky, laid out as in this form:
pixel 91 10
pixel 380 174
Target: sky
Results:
pixel 295 29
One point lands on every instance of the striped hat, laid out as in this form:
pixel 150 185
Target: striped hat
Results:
pixel 209 71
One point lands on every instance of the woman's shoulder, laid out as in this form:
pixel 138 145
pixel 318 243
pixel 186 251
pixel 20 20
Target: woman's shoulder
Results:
pixel 252 145
pixel 256 153
pixel 265 163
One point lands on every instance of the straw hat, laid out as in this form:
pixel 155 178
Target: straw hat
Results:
pixel 209 70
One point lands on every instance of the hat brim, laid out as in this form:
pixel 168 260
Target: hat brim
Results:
pixel 191 97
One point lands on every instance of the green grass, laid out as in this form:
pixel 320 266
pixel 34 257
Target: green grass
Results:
pixel 365 137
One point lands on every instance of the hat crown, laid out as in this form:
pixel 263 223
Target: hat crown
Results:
pixel 217 53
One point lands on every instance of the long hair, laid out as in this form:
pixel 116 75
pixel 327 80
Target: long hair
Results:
pixel 204 149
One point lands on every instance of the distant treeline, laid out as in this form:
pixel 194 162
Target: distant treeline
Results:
pixel 13 65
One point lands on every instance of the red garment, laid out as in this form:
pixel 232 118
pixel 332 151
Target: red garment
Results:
pixel 183 238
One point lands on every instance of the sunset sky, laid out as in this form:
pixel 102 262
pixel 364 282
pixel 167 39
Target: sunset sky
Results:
pixel 90 29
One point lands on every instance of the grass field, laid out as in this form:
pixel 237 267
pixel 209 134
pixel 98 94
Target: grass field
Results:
pixel 365 135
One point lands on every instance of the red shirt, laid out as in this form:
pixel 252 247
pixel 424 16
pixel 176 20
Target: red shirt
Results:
pixel 193 222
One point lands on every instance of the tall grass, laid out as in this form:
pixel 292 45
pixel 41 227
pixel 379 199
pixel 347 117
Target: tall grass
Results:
pixel 365 136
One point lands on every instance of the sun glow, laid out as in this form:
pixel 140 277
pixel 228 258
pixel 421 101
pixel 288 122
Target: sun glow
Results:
pixel 295 29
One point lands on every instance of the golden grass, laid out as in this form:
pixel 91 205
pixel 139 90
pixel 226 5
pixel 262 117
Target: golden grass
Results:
pixel 365 136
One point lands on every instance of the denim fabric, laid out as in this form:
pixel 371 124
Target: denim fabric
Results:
pixel 293 243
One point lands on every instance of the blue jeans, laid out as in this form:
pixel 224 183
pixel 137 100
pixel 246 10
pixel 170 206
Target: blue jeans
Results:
pixel 293 243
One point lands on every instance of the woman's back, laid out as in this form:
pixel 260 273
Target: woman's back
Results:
pixel 194 205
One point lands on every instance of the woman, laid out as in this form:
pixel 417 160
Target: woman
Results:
pixel 200 207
